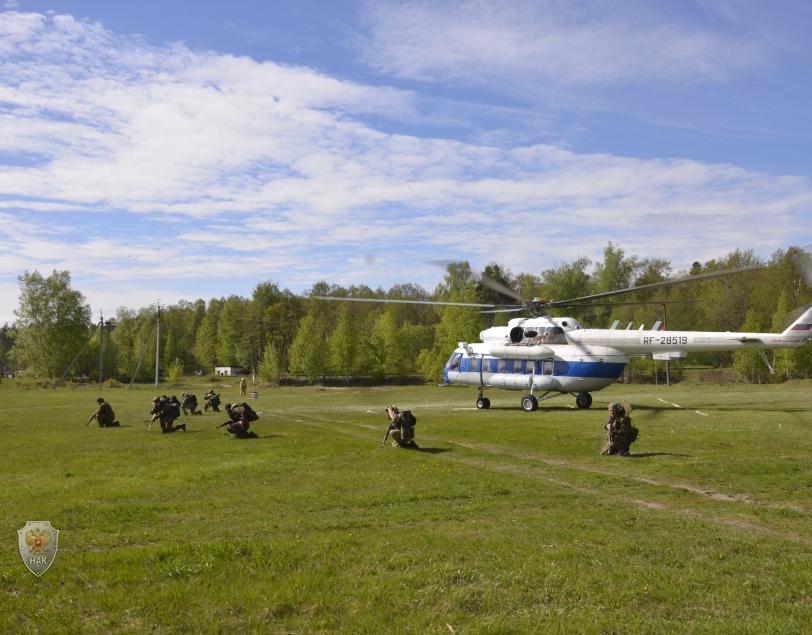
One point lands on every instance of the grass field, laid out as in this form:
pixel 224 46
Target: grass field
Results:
pixel 503 522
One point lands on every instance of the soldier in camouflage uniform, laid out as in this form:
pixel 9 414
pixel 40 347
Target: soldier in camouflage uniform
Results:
pixel 212 400
pixel 401 427
pixel 243 385
pixel 104 415
pixel 241 415
pixel 189 401
pixel 167 410
pixel 620 431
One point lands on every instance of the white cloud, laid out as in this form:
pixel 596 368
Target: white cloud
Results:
pixel 528 46
pixel 269 171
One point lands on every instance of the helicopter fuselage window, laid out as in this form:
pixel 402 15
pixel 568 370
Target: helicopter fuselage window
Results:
pixel 453 362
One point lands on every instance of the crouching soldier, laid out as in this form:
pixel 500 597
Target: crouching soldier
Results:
pixel 620 431
pixel 104 415
pixel 401 427
pixel 189 401
pixel 167 410
pixel 212 400
pixel 241 415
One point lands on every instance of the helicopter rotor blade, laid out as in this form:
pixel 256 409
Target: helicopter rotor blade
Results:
pixel 658 285
pixel 513 310
pixel 328 297
pixel 500 288
pixel 591 304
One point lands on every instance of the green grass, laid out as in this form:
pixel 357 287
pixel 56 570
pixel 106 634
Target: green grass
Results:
pixel 504 522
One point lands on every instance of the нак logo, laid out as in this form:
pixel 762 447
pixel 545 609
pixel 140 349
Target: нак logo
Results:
pixel 38 541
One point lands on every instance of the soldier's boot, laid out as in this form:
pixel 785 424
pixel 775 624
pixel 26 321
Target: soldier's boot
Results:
pixel 115 424
pixel 624 452
pixel 182 426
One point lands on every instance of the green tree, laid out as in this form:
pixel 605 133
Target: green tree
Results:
pixel 457 323
pixel 7 335
pixel 748 364
pixel 308 353
pixel 174 372
pixel 383 344
pixel 206 339
pixel 344 346
pixel 785 358
pixel 52 322
pixel 272 366
pixel 230 331
pixel 616 271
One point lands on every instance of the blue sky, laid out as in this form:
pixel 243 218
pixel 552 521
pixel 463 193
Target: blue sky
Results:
pixel 181 150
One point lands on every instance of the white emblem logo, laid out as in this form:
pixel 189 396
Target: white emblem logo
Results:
pixel 38 542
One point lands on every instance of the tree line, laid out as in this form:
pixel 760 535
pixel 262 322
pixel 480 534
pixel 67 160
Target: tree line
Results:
pixel 276 332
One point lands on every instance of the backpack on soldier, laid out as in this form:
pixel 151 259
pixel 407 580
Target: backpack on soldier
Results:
pixel 633 432
pixel 407 424
pixel 248 412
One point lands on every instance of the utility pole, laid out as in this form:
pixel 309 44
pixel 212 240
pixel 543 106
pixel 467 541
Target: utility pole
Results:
pixel 101 349
pixel 667 362
pixel 158 346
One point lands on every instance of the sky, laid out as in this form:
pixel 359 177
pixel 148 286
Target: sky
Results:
pixel 175 150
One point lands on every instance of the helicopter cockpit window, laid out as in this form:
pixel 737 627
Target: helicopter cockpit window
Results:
pixel 453 362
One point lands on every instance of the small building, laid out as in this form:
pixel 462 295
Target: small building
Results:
pixel 228 371
pixel 5 371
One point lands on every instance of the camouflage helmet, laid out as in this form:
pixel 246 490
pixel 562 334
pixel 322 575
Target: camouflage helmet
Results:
pixel 228 406
pixel 614 406
pixel 100 400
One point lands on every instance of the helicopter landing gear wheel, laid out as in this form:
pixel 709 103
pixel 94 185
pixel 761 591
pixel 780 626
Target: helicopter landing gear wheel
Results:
pixel 583 400
pixel 530 403
pixel 483 403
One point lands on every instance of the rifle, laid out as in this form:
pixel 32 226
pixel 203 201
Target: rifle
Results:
pixel 151 421
pixel 93 416
pixel 223 424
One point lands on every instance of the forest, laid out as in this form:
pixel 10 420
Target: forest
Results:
pixel 277 334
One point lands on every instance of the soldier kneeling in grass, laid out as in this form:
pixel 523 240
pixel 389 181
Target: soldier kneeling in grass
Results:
pixel 167 410
pixel 104 415
pixel 189 401
pixel 241 417
pixel 401 428
pixel 212 400
pixel 620 431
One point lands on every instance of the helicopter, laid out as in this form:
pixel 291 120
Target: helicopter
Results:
pixel 557 356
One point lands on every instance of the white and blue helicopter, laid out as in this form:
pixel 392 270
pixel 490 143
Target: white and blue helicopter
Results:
pixel 556 356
